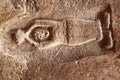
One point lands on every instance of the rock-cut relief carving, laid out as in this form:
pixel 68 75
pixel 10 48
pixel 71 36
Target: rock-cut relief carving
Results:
pixel 43 33
pixel 50 33
pixel 70 31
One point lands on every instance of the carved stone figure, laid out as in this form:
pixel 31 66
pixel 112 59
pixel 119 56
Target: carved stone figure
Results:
pixel 50 33
pixel 59 39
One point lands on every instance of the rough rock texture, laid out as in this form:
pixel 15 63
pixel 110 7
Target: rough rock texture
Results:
pixel 59 40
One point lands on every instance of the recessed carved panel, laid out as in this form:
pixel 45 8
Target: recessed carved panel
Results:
pixel 69 31
pixel 49 33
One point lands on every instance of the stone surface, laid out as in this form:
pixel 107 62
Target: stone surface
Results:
pixel 59 40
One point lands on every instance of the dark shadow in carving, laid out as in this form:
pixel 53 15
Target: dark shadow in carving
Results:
pixel 106 26
pixel 13 33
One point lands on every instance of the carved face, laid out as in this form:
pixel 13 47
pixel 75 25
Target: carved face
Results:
pixel 41 34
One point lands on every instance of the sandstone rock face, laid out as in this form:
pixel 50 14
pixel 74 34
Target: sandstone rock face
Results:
pixel 59 40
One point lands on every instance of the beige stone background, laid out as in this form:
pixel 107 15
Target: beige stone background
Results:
pixel 44 65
